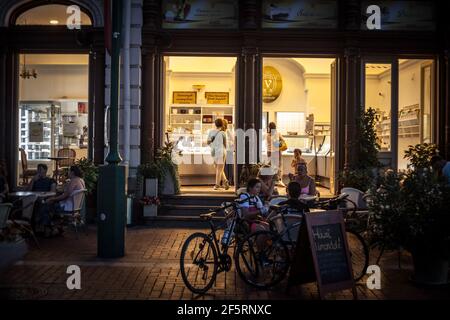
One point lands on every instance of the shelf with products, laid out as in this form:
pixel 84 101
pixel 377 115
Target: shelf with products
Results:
pixel 189 125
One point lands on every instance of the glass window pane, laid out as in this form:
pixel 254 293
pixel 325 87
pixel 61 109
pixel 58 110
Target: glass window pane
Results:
pixel 50 15
pixel 415 105
pixel 378 96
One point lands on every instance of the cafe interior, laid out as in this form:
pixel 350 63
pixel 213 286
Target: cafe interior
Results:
pixel 53 113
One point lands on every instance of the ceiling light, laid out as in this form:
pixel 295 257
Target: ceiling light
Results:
pixel 54 21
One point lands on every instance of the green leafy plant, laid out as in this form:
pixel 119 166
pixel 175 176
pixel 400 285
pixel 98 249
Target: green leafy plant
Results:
pixel 90 173
pixel 361 174
pixel 419 156
pixel 411 210
pixel 164 163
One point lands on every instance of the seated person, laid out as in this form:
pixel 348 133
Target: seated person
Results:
pixel 307 184
pixel 297 159
pixel 441 167
pixel 41 182
pixel 64 203
pixel 252 207
pixel 293 205
pixel 4 189
pixel 268 182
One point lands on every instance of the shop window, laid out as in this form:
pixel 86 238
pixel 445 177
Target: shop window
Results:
pixel 416 99
pixel 378 92
pixel 297 96
pixel 199 90
pixel 53 107
pixel 50 15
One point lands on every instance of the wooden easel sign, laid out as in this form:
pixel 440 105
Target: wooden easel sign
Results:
pixel 331 256
pixel 322 254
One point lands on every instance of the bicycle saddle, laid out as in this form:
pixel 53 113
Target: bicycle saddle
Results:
pixel 207 216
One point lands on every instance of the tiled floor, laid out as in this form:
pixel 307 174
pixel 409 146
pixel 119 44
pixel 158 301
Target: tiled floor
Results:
pixel 150 270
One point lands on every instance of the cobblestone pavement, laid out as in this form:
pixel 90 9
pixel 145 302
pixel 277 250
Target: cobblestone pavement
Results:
pixel 150 270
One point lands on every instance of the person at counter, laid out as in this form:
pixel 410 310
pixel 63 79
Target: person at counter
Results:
pixel 274 141
pixel 217 140
pixel 4 188
pixel 40 182
pixel 297 159
pixel 307 184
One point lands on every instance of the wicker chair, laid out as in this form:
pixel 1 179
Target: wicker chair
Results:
pixel 62 165
pixel 77 216
pixel 26 173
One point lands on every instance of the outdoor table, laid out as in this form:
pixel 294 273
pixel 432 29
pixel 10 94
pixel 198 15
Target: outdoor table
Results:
pixel 39 194
pixel 57 160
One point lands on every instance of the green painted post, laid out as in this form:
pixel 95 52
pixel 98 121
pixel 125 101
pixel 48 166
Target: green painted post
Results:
pixel 111 199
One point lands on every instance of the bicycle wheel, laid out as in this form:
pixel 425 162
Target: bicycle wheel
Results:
pixel 198 263
pixel 359 254
pixel 262 259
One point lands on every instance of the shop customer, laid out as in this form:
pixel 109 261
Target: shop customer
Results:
pixel 217 140
pixel 229 159
pixel 274 141
pixel 40 182
pixel 307 184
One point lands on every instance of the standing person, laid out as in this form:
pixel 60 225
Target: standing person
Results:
pixel 274 141
pixel 41 182
pixel 217 140
pixel 4 188
pixel 229 159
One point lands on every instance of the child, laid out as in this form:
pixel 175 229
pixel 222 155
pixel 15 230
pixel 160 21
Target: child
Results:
pixel 297 159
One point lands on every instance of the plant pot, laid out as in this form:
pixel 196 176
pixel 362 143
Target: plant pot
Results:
pixel 151 187
pixel 169 185
pixel 11 252
pixel 151 210
pixel 429 269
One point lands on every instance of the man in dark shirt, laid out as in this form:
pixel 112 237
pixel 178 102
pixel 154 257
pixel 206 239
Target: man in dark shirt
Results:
pixel 40 182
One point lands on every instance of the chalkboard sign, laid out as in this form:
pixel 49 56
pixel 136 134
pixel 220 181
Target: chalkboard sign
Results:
pixel 322 254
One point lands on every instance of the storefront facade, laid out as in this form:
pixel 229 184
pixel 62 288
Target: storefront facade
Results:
pixel 342 66
pixel 345 39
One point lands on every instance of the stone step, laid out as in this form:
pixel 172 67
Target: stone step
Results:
pixel 185 210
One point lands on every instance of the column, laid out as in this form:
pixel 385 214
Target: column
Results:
pixel 98 60
pixel 148 105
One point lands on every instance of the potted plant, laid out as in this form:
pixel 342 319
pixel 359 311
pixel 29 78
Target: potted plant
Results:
pixel 12 246
pixel 150 205
pixel 163 171
pixel 364 171
pixel 166 157
pixel 411 210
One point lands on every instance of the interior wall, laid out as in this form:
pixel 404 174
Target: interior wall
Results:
pixel 55 82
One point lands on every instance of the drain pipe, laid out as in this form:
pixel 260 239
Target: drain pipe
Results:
pixel 126 82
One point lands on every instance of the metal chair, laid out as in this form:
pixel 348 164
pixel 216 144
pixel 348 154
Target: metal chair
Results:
pixel 5 210
pixel 26 173
pixel 77 215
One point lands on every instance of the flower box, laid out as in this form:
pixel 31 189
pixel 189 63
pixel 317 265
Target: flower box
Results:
pixel 151 210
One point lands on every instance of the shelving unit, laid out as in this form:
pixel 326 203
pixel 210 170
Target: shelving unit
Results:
pixel 194 121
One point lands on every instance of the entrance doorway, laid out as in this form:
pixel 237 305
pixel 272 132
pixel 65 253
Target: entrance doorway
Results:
pixel 298 99
pixel 198 91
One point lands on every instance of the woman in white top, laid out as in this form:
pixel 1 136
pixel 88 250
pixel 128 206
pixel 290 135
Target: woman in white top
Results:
pixel 229 159
pixel 273 141
pixel 217 140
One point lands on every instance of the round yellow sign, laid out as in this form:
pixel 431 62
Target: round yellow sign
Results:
pixel 272 84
